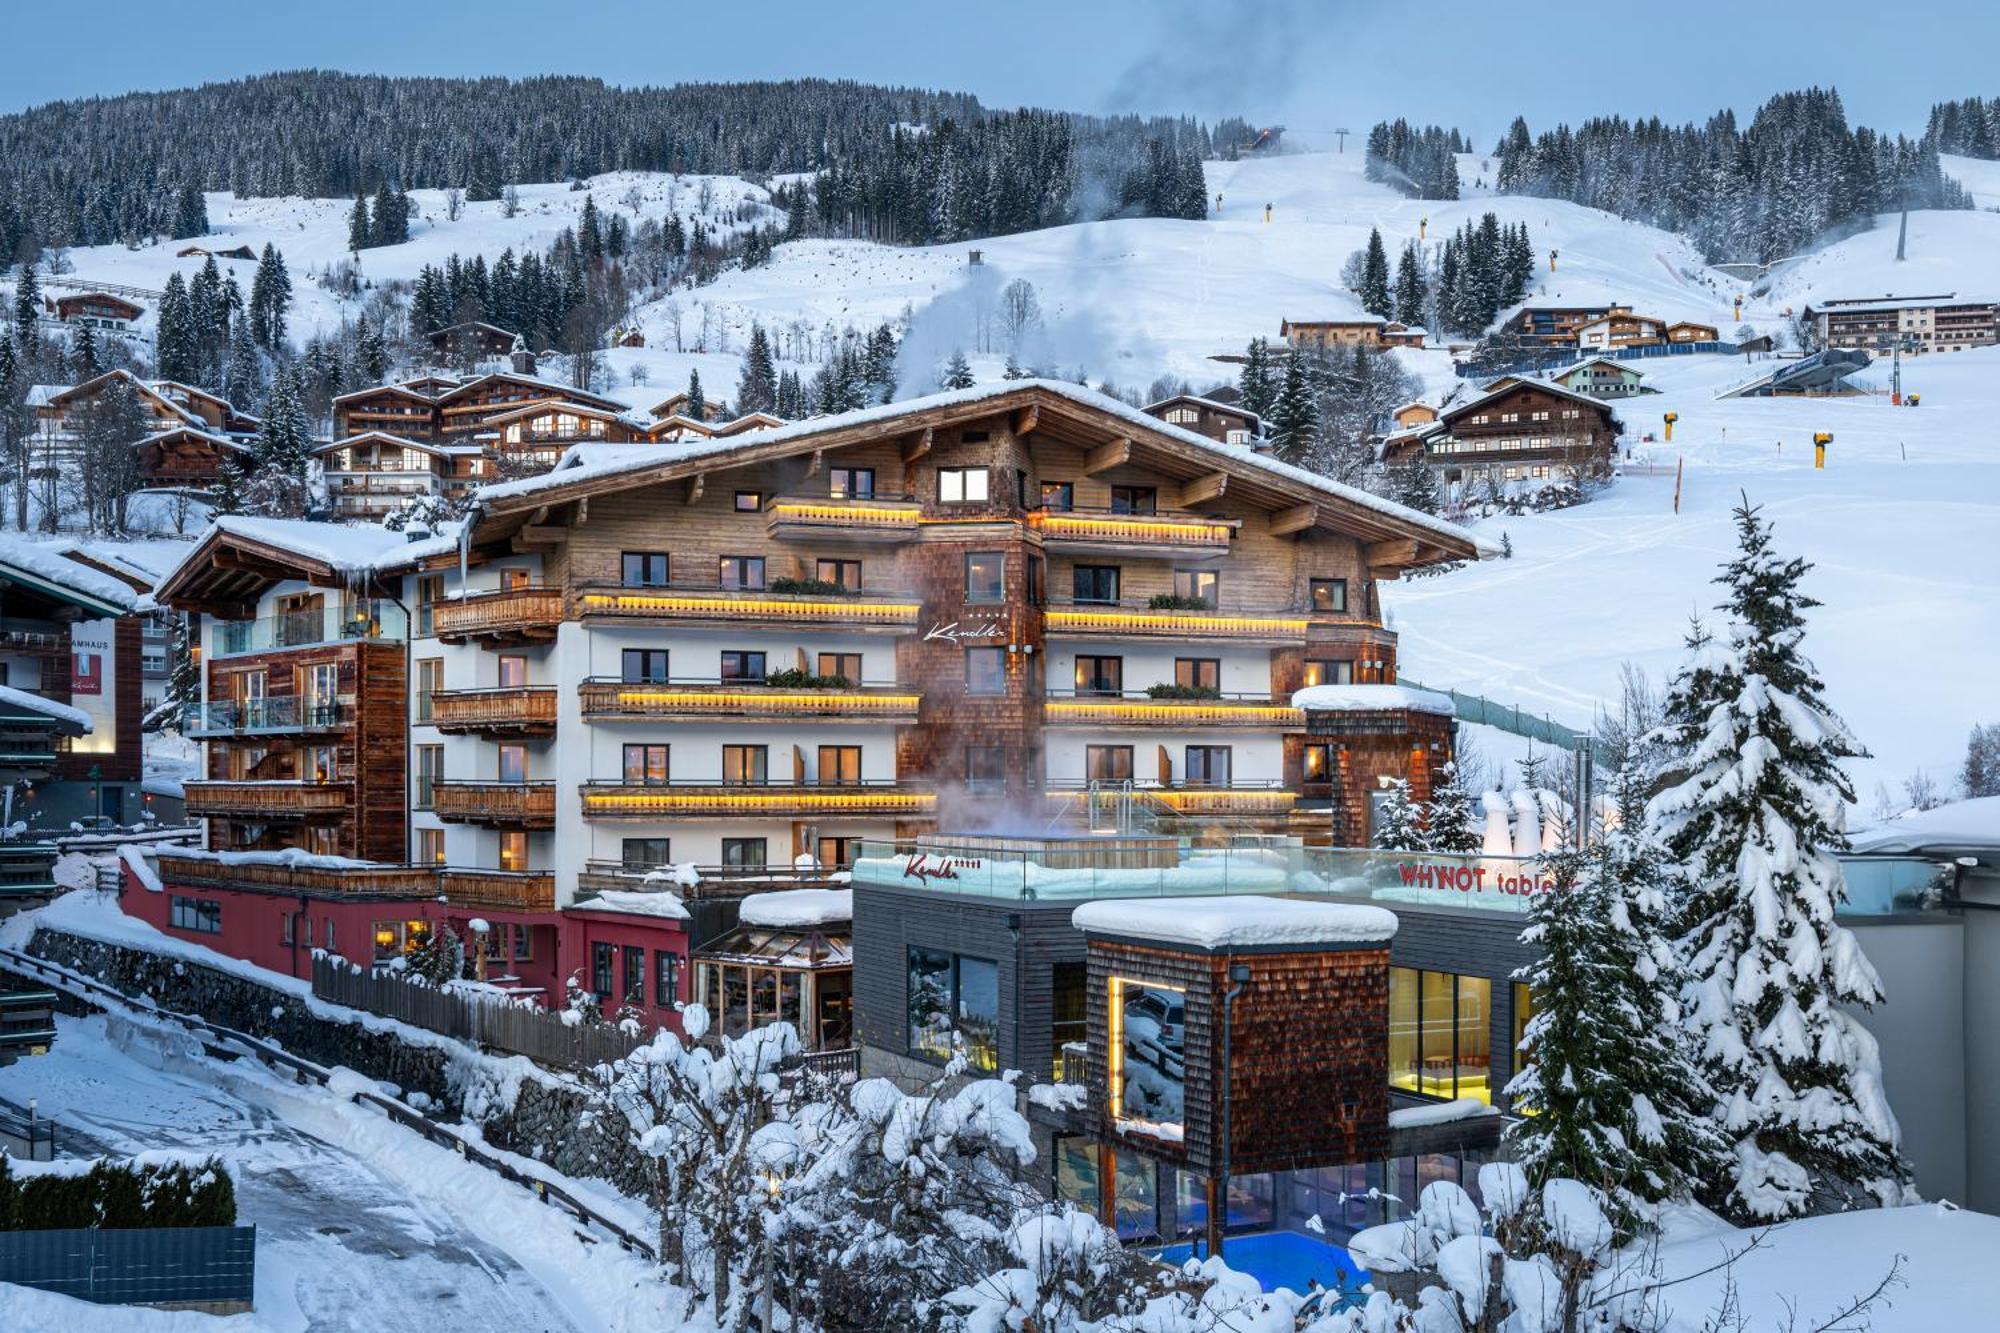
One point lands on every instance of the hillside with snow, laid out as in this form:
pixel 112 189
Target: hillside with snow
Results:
pixel 1900 524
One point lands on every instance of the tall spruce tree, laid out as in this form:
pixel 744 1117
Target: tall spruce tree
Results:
pixel 1451 825
pixel 1398 820
pixel 1771 977
pixel 697 408
pixel 177 345
pixel 1292 424
pixel 1410 294
pixel 1374 293
pixel 360 231
pixel 278 486
pixel 757 386
pixel 27 313
pixel 83 360
pixel 190 213
pixel 1257 382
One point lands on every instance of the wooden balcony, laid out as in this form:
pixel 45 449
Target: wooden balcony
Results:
pixel 509 710
pixel 500 890
pixel 842 520
pixel 1140 620
pixel 1117 711
pixel 748 701
pixel 887 799
pixel 269 800
pixel 672 606
pixel 505 617
pixel 1167 534
pixel 238 872
pixel 276 715
pixel 516 805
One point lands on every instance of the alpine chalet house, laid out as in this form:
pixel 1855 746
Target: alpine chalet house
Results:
pixel 1600 377
pixel 1687 331
pixel 1919 324
pixel 192 432
pixel 1620 328
pixel 95 310
pixel 70 711
pixel 1520 432
pixel 1228 423
pixel 473 342
pixel 1552 326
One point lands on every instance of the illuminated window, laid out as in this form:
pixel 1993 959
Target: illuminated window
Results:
pixel 745 765
pixel 1326 671
pixel 1440 1040
pixel 514 851
pixel 749 502
pixel 1329 594
pixel 1100 675
pixel 844 574
pixel 839 765
pixel 1202 585
pixel 839 666
pixel 1107 763
pixel 1316 762
pixel 430 846
pixel 645 765
pixel 742 572
pixel 851 483
pixel 1059 495
pixel 950 993
pixel 1198 673
pixel 513 671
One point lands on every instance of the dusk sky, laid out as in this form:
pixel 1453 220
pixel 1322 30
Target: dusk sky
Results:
pixel 1314 66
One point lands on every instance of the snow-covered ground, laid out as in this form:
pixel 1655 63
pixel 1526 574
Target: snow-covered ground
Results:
pixel 361 1224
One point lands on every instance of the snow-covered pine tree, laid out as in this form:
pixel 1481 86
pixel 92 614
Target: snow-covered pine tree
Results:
pixel 957 372
pixel 360 231
pixel 1292 424
pixel 177 347
pixel 1416 486
pixel 83 362
pixel 1980 775
pixel 440 958
pixel 697 408
pixel 1374 293
pixel 1451 820
pixel 1257 383
pixel 1411 297
pixel 27 313
pixel 757 386
pixel 1617 1100
pixel 183 671
pixel 190 213
pixel 277 484
pixel 1398 820
pixel 1770 975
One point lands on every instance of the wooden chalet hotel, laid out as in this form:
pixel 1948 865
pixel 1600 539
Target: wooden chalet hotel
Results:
pixel 742 657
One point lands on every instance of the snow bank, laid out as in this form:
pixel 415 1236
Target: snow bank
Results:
pixel 136 861
pixel 1370 698
pixel 799 907
pixel 1956 824
pixel 1443 1113
pixel 1248 921
pixel 662 905
pixel 49 564
pixel 35 703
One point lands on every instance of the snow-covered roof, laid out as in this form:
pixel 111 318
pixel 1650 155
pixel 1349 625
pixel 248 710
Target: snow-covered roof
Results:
pixel 1247 921
pixel 11 699
pixel 660 904
pixel 796 908
pixel 175 432
pixel 1508 383
pixel 1231 409
pixel 47 565
pixel 1971 824
pixel 1371 698
pixel 577 465
pixel 1574 366
pixel 383 437
pixel 357 550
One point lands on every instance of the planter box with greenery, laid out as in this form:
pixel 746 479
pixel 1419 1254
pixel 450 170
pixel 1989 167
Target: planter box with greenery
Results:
pixel 1173 601
pixel 813 588
pixel 792 678
pixel 1172 691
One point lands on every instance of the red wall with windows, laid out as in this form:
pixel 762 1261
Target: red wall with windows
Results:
pixel 253 927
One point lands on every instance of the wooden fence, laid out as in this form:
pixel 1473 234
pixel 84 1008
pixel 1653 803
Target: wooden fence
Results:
pixel 518 1029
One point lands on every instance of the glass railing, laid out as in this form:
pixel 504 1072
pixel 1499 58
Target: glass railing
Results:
pixel 289 713
pixel 298 629
pixel 1077 869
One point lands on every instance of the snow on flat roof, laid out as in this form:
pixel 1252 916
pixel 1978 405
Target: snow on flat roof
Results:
pixel 1366 698
pixel 1246 921
pixel 49 564
pixel 578 465
pixel 661 904
pixel 35 703
pixel 799 907
pixel 1973 823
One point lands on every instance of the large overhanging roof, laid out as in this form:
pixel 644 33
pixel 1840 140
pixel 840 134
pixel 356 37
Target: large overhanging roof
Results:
pixel 239 559
pixel 1049 409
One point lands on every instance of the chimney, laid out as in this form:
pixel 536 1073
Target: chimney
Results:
pixel 520 360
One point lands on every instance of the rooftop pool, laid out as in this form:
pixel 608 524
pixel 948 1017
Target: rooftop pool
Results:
pixel 1293 1260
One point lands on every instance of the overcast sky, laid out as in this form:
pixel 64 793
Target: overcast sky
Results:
pixel 1313 66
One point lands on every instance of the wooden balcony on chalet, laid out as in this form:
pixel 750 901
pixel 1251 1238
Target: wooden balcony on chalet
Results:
pixel 504 617
pixel 886 798
pixel 749 606
pixel 842 519
pixel 274 800
pixel 499 890
pixel 506 710
pixel 516 805
pixel 612 700
pixel 1142 710
pixel 1167 534
pixel 243 872
pixel 1133 619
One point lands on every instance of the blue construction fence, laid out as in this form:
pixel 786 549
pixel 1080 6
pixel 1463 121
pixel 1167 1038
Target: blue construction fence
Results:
pixel 1555 359
pixel 213 1266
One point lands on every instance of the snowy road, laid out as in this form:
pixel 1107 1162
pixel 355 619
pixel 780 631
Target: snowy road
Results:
pixel 341 1245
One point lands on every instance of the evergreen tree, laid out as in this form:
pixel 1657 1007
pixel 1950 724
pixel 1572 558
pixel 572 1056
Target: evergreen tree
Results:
pixel 1451 825
pixel 1292 424
pixel 360 231
pixel 1398 821
pixel 1410 294
pixel 243 378
pixel 1771 976
pixel 590 233
pixel 878 368
pixel 371 354
pixel 482 182
pixel 1374 293
pixel 83 364
pixel 440 958
pixel 278 486
pixel 270 298
pixel 190 214
pixel 1981 774
pixel 757 386
pixel 177 354
pixel 1417 486
pixel 697 408
pixel 231 481
pixel 1257 382
pixel 957 372
pixel 183 670
pixel 27 313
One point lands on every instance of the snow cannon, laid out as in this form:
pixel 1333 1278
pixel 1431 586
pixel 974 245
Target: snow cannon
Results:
pixel 1423 226
pixel 1739 307
pixel 1670 418
pixel 1916 398
pixel 1821 439
pixel 1552 261
pixel 1267 212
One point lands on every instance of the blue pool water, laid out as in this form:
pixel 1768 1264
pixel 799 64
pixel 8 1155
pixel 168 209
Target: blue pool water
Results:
pixel 1289 1259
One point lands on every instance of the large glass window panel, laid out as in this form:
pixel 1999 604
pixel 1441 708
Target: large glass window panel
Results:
pixel 1137 1195
pixel 979 1012
pixel 1076 1172
pixel 1475 1038
pixel 1438 1060
pixel 1149 1068
pixel 930 1003
pixel 791 990
pixel 735 1000
pixel 1404 1066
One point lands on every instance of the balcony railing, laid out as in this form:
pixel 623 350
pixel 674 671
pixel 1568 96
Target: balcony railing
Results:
pixel 710 881
pixel 1170 532
pixel 1083 708
pixel 500 890
pixel 748 700
pixel 1250 797
pixel 502 616
pixel 516 710
pixel 510 804
pixel 286 713
pixel 1137 619
pixel 269 800
pixel 260 872
pixel 856 611
pixel 300 629
pixel 843 518
pixel 763 800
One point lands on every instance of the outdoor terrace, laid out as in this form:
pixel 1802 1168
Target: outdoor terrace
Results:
pixel 761 800
pixel 610 700
pixel 675 605
pixel 505 710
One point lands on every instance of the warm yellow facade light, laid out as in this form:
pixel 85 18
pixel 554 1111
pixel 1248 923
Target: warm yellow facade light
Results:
pixel 1172 622
pixel 747 608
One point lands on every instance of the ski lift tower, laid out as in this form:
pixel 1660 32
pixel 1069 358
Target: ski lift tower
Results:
pixel 1343 138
